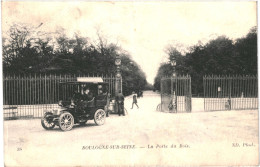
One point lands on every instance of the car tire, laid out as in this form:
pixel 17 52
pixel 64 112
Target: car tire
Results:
pixel 45 124
pixel 66 121
pixel 100 117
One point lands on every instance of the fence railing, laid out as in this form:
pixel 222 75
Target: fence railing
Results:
pixel 230 92
pixel 28 96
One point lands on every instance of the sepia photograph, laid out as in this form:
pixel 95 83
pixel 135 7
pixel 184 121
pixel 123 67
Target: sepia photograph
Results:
pixel 129 83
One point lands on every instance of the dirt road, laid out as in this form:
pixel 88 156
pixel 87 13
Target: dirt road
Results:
pixel 143 137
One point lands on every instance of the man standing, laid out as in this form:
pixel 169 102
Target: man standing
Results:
pixel 120 103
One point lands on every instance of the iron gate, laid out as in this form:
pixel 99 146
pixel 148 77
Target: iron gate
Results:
pixel 230 92
pixel 176 94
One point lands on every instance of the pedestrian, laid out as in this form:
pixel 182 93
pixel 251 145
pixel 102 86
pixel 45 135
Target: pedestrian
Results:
pixel 141 93
pixel 172 105
pixel 120 103
pixel 134 100
pixel 138 93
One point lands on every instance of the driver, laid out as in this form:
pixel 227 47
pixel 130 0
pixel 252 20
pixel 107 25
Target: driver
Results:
pixel 76 96
pixel 86 97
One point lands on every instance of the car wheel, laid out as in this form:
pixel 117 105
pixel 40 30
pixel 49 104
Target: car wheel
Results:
pixel 66 121
pixel 100 117
pixel 47 124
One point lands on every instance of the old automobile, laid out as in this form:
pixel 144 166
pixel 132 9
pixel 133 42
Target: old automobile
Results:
pixel 73 109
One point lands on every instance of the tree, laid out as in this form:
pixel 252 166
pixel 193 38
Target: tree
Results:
pixel 28 50
pixel 220 56
pixel 163 71
pixel 246 53
pixel 25 49
pixel 18 37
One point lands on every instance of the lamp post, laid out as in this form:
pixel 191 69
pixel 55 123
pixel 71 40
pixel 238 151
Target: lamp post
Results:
pixel 173 64
pixel 173 84
pixel 118 76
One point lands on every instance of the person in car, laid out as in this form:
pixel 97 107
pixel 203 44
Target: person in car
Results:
pixel 76 96
pixel 86 97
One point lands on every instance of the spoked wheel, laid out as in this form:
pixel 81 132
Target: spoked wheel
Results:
pixel 47 124
pixel 66 121
pixel 100 117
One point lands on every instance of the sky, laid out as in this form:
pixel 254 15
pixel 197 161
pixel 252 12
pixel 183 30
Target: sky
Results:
pixel 143 29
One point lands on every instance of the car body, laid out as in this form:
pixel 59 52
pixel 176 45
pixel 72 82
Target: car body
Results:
pixel 71 111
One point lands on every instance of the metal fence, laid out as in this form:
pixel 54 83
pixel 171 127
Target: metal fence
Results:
pixel 230 92
pixel 176 94
pixel 28 96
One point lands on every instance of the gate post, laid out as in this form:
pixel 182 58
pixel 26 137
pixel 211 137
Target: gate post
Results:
pixel 118 87
pixel 174 83
pixel 118 79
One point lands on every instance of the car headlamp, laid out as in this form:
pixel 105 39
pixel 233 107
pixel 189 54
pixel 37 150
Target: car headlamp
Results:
pixel 72 104
pixel 55 112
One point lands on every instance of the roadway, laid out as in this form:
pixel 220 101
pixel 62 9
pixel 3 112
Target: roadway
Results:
pixel 143 137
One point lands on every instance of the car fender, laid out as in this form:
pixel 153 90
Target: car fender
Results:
pixel 47 113
pixel 61 111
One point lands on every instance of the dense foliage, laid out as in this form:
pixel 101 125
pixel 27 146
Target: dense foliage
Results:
pixel 27 50
pixel 220 56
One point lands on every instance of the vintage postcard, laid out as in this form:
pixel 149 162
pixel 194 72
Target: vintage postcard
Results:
pixel 130 83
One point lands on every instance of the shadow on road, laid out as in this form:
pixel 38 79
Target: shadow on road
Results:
pixel 76 126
